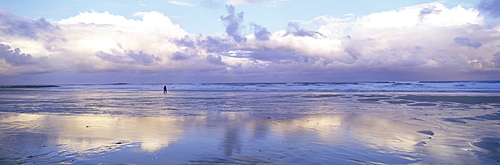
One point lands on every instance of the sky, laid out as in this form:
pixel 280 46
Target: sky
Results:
pixel 175 41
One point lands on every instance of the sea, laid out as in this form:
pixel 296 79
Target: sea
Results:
pixel 410 122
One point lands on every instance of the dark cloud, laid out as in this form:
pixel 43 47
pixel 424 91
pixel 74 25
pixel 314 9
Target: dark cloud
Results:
pixel 216 44
pixel 15 57
pixel 354 53
pixel 295 29
pixel 212 44
pixel 142 58
pixel 427 11
pixel 490 6
pixel 129 57
pixel 187 41
pixel 261 33
pixel 467 42
pixel 233 23
pixel 178 56
pixel 11 24
pixel 110 57
pixel 274 55
pixel 215 59
pixel 496 59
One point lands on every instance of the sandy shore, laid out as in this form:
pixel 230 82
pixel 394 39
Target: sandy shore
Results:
pixel 251 128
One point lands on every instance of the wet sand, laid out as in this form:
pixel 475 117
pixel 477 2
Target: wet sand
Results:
pixel 93 127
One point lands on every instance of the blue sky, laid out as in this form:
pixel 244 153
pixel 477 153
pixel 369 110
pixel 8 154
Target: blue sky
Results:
pixel 200 16
pixel 105 41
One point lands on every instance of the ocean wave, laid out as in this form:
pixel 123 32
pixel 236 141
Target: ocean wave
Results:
pixel 29 86
pixel 394 86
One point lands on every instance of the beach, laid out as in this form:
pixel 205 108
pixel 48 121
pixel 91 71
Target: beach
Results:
pixel 252 123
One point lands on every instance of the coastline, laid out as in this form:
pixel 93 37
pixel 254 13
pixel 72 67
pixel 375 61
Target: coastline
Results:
pixel 131 126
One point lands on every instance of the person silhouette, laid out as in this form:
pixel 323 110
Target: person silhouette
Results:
pixel 165 89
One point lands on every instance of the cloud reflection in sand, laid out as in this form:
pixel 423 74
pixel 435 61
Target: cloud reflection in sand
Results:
pixel 230 135
pixel 375 132
pixel 84 132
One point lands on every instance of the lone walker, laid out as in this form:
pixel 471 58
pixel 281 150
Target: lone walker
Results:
pixel 165 89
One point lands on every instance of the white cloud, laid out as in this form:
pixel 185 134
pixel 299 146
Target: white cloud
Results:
pixel 253 2
pixel 420 42
pixel 405 40
pixel 413 39
pixel 180 3
pixel 90 42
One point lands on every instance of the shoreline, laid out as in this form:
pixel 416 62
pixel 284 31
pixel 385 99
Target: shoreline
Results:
pixel 105 125
pixel 235 137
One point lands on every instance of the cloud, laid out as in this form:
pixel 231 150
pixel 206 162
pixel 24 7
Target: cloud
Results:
pixel 129 57
pixel 19 26
pixel 427 11
pixel 490 6
pixel 215 59
pixel 421 38
pixel 205 43
pixel 261 33
pixel 295 29
pixel 277 56
pixel 15 57
pixel 180 3
pixel 496 59
pixel 467 42
pixel 94 42
pixel 180 56
pixel 427 41
pixel 233 23
pixel 253 2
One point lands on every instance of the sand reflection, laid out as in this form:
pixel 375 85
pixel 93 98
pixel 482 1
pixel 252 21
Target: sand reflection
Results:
pixel 372 131
pixel 241 137
pixel 88 132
